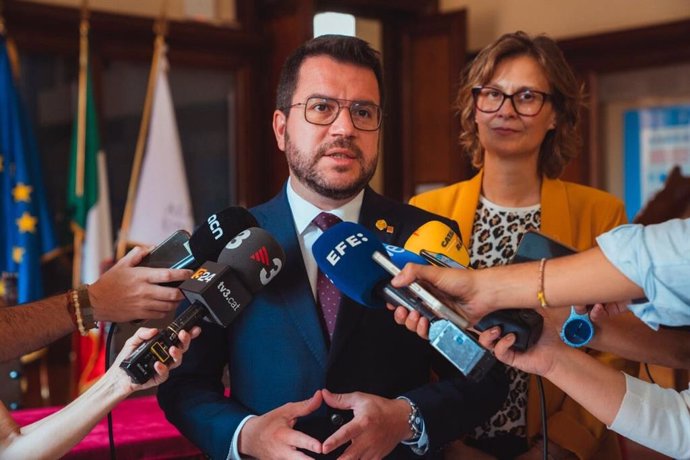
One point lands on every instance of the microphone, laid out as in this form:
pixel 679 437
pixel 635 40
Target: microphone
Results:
pixel 180 250
pixel 218 291
pixel 208 239
pixel 401 257
pixel 435 236
pixel 245 266
pixel 346 254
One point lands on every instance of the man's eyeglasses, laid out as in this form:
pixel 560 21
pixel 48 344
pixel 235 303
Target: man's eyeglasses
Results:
pixel 527 102
pixel 325 110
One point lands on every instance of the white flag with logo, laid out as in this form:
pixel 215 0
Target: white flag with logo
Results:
pixel 162 204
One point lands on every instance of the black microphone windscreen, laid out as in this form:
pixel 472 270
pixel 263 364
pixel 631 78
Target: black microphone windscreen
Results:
pixel 210 237
pixel 216 287
pixel 255 257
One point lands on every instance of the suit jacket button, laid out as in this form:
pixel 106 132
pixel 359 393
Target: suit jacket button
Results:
pixel 337 419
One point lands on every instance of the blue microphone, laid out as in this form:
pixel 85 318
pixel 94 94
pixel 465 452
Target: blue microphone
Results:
pixel 346 254
pixel 401 256
pixel 343 254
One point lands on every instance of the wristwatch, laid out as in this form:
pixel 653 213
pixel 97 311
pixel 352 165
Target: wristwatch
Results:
pixel 577 330
pixel 419 442
pixel 415 422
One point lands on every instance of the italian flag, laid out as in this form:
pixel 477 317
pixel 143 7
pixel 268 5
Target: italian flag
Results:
pixel 89 206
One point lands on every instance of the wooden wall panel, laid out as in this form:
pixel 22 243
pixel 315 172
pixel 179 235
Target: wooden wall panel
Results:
pixel 431 121
pixel 433 54
pixel 286 28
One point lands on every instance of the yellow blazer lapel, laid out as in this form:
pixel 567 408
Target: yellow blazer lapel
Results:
pixel 466 205
pixel 556 220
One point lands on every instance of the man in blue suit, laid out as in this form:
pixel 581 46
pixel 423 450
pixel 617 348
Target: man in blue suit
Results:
pixel 303 384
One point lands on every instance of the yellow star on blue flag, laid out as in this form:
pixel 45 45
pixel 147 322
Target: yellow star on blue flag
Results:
pixel 18 254
pixel 27 223
pixel 22 192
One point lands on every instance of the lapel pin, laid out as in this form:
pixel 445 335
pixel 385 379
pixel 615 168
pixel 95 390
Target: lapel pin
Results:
pixel 381 224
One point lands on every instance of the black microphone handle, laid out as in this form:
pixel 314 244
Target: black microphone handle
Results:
pixel 139 365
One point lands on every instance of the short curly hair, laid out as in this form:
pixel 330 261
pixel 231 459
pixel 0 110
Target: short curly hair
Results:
pixel 560 144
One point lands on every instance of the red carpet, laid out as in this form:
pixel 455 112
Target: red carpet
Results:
pixel 140 429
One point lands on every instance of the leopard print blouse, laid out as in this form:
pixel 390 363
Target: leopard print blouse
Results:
pixel 496 233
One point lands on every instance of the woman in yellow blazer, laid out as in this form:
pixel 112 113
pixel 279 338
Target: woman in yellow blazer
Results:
pixel 519 110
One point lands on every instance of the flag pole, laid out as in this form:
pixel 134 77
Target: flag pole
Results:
pixel 160 29
pixel 81 138
pixel 9 44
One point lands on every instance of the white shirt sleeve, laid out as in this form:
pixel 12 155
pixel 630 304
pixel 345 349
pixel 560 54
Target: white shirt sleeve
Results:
pixel 234 453
pixel 656 417
pixel 656 258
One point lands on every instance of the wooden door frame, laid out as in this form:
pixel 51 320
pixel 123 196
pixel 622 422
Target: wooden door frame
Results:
pixel 595 55
pixel 399 175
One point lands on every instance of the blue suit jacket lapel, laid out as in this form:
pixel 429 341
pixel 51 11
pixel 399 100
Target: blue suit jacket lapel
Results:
pixel 276 218
pixel 351 313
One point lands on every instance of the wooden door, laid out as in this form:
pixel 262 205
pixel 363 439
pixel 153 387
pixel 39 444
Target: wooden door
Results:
pixel 424 67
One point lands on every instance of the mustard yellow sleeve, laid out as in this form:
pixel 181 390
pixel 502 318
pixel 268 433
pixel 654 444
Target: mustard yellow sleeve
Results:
pixel 572 427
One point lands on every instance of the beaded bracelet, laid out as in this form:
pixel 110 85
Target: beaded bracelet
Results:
pixel 540 294
pixel 71 309
pixel 79 298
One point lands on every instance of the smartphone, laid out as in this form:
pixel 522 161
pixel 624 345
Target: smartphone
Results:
pixel 171 253
pixel 427 297
pixel 536 246
pixel 440 260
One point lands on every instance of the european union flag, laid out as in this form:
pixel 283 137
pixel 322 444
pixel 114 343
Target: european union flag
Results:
pixel 26 231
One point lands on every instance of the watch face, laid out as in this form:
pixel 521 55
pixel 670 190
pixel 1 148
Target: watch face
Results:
pixel 577 331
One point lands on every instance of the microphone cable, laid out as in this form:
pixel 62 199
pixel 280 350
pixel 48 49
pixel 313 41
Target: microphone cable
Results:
pixel 544 429
pixel 108 343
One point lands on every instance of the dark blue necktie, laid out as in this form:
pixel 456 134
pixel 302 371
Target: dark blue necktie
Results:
pixel 327 295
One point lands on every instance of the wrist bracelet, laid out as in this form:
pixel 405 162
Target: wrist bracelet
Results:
pixel 82 308
pixel 70 308
pixel 541 297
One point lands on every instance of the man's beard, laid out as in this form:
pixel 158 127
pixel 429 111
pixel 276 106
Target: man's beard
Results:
pixel 304 169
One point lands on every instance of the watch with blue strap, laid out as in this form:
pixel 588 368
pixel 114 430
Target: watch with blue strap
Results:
pixel 577 330
pixel 419 442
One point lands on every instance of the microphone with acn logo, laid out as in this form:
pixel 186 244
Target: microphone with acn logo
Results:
pixel 218 291
pixel 180 250
pixel 353 259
